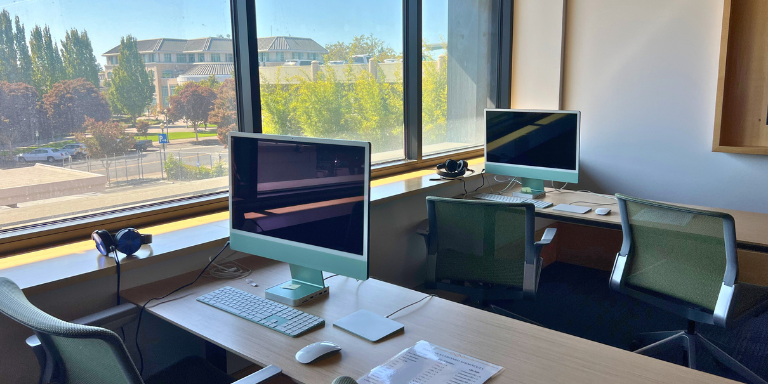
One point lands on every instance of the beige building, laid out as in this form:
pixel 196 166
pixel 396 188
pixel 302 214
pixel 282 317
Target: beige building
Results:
pixel 172 62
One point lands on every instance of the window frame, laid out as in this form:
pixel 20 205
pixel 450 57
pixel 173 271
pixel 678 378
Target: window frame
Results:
pixel 199 60
pixel 25 238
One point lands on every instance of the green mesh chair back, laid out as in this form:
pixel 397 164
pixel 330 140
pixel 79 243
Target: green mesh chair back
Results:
pixel 480 241
pixel 680 253
pixel 83 354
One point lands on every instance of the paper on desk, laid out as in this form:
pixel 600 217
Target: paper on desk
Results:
pixel 426 363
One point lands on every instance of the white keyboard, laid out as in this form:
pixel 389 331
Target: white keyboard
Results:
pixel 512 199
pixel 259 310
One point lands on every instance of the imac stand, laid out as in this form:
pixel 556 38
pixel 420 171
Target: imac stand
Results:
pixel 532 189
pixel 306 284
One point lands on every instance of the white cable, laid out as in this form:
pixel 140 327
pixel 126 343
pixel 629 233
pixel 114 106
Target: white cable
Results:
pixel 228 270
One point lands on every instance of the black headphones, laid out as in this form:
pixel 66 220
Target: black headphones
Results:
pixel 126 241
pixel 452 169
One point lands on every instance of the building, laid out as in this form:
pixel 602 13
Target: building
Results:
pixel 276 50
pixel 172 62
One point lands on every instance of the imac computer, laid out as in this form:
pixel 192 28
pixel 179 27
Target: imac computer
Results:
pixel 303 201
pixel 535 145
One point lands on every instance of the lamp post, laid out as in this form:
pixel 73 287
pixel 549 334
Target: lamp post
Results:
pixel 37 137
pixel 165 116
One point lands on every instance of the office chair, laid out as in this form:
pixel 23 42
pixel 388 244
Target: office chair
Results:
pixel 684 260
pixel 487 245
pixel 79 353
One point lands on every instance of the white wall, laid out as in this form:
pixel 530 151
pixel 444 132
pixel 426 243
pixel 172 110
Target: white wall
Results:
pixel 644 75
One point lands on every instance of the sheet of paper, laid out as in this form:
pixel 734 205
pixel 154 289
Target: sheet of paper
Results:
pixel 426 363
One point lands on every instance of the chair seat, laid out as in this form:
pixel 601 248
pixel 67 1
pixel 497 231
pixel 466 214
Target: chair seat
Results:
pixel 191 370
pixel 748 297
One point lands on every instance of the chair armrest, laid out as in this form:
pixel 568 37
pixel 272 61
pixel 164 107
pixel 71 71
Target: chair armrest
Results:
pixel 111 318
pixel 547 238
pixel 261 376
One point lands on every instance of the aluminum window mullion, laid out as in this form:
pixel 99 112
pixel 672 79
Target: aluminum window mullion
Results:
pixel 412 79
pixel 245 50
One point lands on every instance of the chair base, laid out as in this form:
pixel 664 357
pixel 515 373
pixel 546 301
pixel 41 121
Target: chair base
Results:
pixel 690 341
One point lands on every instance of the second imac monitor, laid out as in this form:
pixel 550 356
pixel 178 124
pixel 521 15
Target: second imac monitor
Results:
pixel 535 145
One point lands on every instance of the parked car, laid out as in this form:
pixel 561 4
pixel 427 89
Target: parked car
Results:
pixel 337 62
pixel 75 150
pixel 361 59
pixel 142 145
pixel 393 60
pixel 297 63
pixel 44 154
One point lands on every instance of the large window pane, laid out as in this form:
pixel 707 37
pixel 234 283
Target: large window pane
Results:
pixel 81 112
pixel 456 73
pixel 351 90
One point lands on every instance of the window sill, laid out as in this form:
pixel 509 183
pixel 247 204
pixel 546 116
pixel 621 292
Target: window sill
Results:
pixel 63 265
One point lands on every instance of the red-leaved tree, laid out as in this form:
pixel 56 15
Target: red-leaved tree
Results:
pixel 69 102
pixel 107 139
pixel 224 113
pixel 19 115
pixel 194 103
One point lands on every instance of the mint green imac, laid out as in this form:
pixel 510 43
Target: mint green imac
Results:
pixel 534 145
pixel 303 201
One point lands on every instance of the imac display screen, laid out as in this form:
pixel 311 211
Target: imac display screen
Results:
pixel 309 193
pixel 530 138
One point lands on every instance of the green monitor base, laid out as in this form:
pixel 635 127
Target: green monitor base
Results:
pixel 306 284
pixel 532 189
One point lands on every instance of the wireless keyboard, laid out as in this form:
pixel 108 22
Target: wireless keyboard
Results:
pixel 259 310
pixel 512 199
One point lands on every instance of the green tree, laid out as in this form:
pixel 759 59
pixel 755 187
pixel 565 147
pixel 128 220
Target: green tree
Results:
pixel 25 61
pixel 77 57
pixel 434 88
pixel 70 102
pixel 276 103
pixel 360 45
pixel 107 139
pixel 18 113
pixel 8 57
pixel 194 103
pixel 210 82
pixel 47 68
pixel 131 88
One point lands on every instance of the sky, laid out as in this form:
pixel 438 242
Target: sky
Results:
pixel 322 20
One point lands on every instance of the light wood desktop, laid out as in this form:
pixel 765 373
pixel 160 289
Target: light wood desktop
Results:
pixel 529 353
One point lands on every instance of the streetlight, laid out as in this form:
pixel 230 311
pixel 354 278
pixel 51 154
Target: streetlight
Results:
pixel 165 116
pixel 37 137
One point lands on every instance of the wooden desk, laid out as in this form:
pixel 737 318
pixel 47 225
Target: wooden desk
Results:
pixel 529 353
pixel 751 227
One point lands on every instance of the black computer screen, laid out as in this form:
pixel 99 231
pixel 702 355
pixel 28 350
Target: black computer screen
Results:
pixel 309 193
pixel 537 139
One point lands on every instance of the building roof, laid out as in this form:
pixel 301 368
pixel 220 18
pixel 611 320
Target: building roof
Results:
pixel 180 45
pixel 208 69
pixel 289 43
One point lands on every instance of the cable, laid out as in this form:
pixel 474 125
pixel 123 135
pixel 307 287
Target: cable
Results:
pixel 414 303
pixel 482 174
pixel 117 269
pixel 231 270
pixel 326 278
pixel 143 307
pixel 557 189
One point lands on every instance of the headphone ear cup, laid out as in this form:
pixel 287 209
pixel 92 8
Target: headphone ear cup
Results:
pixel 451 165
pixel 128 241
pixel 462 167
pixel 105 243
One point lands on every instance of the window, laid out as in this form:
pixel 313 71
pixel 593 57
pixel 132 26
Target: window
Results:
pixel 312 56
pixel 215 57
pixel 201 57
pixel 230 58
pixel 191 57
pixel 263 56
pixel 114 170
pixel 173 89
pixel 334 103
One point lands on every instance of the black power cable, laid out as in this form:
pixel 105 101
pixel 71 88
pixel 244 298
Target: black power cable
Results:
pixel 141 312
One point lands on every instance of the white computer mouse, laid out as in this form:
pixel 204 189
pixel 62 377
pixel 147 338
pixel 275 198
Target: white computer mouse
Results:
pixel 603 211
pixel 316 351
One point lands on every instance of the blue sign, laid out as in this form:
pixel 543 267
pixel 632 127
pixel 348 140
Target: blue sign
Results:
pixel 163 138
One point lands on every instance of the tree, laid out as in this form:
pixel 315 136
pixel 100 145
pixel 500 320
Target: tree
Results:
pixel 47 68
pixel 276 100
pixel 360 45
pixel 194 103
pixel 435 98
pixel 25 61
pixel 224 113
pixel 131 88
pixel 18 113
pixel 107 139
pixel 142 127
pixel 8 57
pixel 70 102
pixel 77 57
pixel 210 82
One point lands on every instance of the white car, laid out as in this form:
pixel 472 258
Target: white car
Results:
pixel 44 154
pixel 337 62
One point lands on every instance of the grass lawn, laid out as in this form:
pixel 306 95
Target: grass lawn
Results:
pixel 177 135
